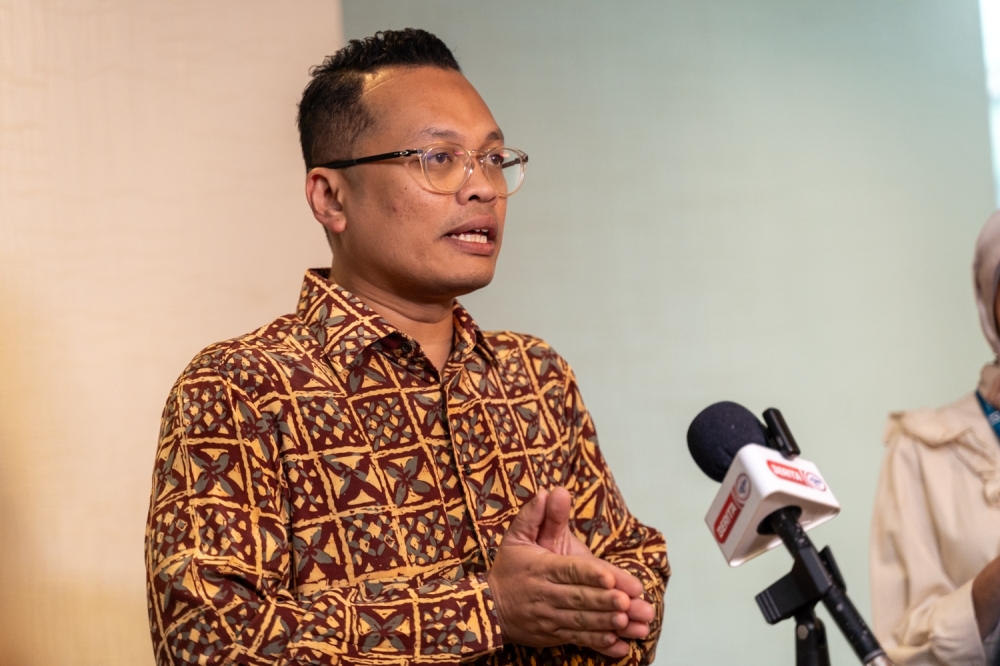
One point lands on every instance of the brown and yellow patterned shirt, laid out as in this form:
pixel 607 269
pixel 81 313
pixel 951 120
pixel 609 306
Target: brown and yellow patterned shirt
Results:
pixel 321 495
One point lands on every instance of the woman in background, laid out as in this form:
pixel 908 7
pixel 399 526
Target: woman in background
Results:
pixel 935 570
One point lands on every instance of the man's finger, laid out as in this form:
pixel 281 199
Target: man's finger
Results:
pixel 529 519
pixel 617 650
pixel 587 570
pixel 598 640
pixel 641 610
pixel 588 598
pixel 554 531
pixel 589 621
pixel 627 583
pixel 634 630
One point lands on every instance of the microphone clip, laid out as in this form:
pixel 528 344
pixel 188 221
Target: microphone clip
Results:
pixel 779 436
pixel 810 579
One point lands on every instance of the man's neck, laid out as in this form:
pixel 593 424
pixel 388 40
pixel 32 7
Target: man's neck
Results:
pixel 431 324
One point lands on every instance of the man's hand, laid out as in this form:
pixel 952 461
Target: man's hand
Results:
pixel 546 599
pixel 554 535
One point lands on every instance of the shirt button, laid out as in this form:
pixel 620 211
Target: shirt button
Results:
pixel 467 469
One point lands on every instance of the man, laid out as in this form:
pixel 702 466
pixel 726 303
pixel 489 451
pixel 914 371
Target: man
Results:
pixel 373 479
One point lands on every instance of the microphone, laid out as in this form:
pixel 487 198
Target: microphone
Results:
pixel 769 496
pixel 731 446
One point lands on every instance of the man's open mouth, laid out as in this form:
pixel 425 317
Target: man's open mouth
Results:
pixel 473 236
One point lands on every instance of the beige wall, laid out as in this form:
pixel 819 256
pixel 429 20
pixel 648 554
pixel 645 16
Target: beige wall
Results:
pixel 150 203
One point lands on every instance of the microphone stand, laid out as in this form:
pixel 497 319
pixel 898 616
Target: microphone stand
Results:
pixel 814 577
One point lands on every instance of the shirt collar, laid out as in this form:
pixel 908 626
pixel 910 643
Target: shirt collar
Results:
pixel 469 337
pixel 346 327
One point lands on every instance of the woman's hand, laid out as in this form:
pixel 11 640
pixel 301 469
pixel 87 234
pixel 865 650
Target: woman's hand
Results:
pixel 986 596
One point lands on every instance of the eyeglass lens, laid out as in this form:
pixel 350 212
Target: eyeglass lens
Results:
pixel 449 166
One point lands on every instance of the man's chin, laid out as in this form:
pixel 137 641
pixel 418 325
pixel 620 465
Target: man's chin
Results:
pixel 455 286
pixel 470 286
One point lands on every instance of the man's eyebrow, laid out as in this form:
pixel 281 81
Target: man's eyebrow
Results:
pixel 439 133
pixel 452 135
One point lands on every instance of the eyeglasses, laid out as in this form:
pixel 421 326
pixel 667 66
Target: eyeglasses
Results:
pixel 447 167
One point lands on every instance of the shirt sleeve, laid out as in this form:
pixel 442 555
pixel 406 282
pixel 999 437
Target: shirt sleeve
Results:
pixel 603 522
pixel 222 563
pixel 919 615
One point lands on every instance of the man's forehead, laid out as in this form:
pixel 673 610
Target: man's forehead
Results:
pixel 430 103
pixel 372 81
pixel 414 82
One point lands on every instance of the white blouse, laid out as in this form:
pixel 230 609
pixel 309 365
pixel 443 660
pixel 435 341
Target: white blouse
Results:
pixel 936 525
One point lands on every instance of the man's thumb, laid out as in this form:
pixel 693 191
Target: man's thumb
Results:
pixel 554 532
pixel 529 519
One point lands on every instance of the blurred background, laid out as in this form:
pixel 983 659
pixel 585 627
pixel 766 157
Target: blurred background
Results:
pixel 767 201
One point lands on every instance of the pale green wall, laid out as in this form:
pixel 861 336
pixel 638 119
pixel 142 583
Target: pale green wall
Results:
pixel 768 202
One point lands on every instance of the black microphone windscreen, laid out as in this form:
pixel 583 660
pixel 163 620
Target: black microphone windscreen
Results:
pixel 718 433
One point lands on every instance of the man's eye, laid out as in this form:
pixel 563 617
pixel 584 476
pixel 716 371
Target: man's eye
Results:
pixel 495 159
pixel 439 158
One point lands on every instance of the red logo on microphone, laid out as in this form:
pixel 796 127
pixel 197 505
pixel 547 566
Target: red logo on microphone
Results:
pixel 731 509
pixel 787 472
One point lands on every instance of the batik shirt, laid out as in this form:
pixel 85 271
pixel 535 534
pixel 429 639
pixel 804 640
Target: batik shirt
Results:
pixel 322 495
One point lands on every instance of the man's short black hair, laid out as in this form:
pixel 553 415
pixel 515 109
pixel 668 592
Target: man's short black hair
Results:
pixel 331 114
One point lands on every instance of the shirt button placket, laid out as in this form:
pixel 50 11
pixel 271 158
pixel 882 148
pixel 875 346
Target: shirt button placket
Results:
pixel 459 445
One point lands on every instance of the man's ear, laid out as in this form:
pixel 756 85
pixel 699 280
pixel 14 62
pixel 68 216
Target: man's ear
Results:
pixel 325 194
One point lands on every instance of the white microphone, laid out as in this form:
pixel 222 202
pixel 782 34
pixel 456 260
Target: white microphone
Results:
pixel 759 482
pixel 770 495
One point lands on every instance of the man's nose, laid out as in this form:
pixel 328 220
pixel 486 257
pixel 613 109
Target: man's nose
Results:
pixel 479 186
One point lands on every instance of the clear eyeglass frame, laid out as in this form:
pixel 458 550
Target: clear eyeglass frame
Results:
pixel 447 167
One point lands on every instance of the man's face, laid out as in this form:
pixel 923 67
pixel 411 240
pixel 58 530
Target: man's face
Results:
pixel 399 236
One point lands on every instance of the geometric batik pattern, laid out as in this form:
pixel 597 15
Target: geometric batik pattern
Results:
pixel 321 495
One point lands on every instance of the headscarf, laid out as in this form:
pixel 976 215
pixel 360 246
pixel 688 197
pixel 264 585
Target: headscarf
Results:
pixel 985 275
